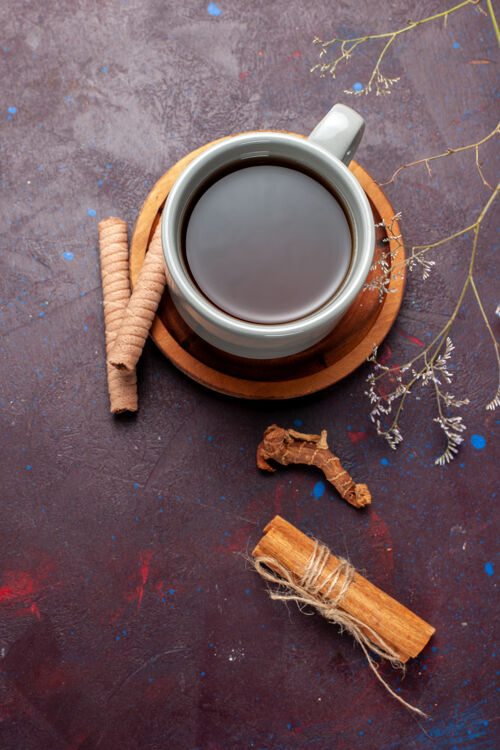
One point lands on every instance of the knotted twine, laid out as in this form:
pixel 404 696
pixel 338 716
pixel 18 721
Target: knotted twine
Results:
pixel 309 590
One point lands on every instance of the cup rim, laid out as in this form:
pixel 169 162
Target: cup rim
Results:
pixel 210 312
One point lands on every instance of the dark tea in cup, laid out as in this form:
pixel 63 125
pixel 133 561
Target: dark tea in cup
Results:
pixel 267 243
pixel 268 238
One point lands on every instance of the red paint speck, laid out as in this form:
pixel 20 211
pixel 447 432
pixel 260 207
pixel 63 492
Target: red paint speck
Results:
pixel 381 542
pixel 144 563
pixel 21 589
pixel 356 437
pixel 386 354
pixel 243 75
pixel 411 338
pixel 238 540
pixel 116 615
pixel 18 585
pixel 416 341
pixel 297 54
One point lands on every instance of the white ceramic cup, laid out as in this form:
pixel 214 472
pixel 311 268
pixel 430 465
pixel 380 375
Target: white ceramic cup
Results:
pixel 325 153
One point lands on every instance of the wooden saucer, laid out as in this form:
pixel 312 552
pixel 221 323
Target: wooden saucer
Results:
pixel 365 324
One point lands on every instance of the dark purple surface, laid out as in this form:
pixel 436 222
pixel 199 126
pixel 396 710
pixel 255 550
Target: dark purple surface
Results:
pixel 128 617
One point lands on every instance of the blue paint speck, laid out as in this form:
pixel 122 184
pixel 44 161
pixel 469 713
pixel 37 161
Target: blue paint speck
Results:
pixel 319 489
pixel 478 442
pixel 91 212
pixel 456 45
pixel 297 422
pixel 357 86
pixel 384 462
pixel 12 110
pixel 489 569
pixel 67 255
pixel 28 466
pixel 104 69
pixel 213 10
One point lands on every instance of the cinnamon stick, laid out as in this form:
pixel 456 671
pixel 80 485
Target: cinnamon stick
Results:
pixel 385 621
pixel 292 447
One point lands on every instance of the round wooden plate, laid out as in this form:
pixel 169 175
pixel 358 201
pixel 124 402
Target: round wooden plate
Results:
pixel 365 324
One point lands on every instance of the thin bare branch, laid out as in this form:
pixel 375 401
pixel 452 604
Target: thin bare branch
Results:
pixel 448 151
pixel 431 364
pixel 377 79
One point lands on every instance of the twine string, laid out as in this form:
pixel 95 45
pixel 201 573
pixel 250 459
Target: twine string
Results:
pixel 311 590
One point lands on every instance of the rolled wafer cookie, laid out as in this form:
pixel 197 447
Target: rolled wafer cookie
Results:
pixel 141 309
pixel 113 250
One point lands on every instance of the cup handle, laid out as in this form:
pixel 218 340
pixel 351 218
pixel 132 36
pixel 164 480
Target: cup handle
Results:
pixel 340 132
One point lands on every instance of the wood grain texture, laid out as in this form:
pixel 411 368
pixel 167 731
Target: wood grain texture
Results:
pixel 397 626
pixel 364 325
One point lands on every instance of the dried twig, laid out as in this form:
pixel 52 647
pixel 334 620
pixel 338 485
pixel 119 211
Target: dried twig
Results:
pixel 449 151
pixel 493 20
pixel 387 262
pixel 292 447
pixel 347 46
pixel 388 385
pixel 431 365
